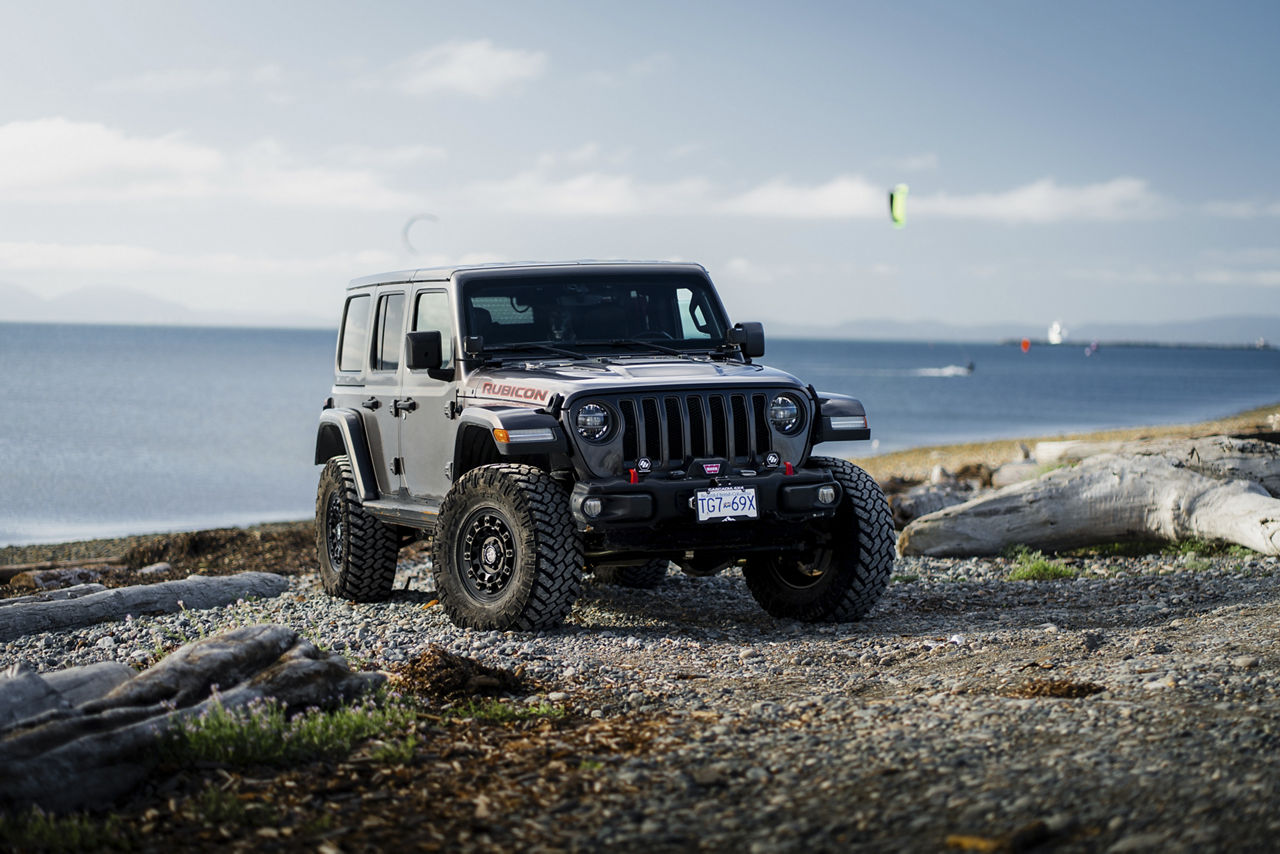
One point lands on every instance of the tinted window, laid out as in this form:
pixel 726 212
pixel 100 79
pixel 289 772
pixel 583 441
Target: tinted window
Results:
pixel 390 332
pixel 596 309
pixel 355 334
pixel 433 314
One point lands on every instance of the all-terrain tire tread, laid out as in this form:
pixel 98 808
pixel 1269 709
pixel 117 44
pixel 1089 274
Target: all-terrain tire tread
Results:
pixel 557 581
pixel 368 570
pixel 860 586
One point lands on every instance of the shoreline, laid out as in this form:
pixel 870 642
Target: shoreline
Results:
pixel 914 464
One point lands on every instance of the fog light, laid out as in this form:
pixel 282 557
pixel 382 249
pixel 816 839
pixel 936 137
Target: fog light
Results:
pixel 826 494
pixel 592 507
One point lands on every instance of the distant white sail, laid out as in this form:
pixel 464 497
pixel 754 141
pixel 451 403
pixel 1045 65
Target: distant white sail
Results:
pixel 1056 332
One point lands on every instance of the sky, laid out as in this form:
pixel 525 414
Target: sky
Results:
pixel 1086 162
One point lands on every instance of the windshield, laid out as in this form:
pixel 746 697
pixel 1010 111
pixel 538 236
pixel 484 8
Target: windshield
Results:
pixel 675 311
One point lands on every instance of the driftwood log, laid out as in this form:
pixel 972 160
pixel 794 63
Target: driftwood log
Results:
pixel 1216 488
pixel 196 593
pixel 82 737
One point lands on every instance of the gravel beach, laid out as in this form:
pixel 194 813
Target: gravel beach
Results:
pixel 1134 707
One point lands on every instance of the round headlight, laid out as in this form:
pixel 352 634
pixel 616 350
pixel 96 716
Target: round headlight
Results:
pixel 784 414
pixel 593 422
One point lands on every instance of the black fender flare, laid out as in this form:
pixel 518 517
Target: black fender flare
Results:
pixel 341 431
pixel 840 418
pixel 517 418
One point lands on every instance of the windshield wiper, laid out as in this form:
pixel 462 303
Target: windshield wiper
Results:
pixel 652 345
pixel 543 346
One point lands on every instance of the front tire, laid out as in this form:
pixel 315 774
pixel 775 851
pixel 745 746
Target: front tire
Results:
pixel 506 553
pixel 357 551
pixel 846 572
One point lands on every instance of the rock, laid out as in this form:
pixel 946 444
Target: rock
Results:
pixel 929 498
pixel 1011 473
pixel 195 593
pixel 73 740
pixel 52 579
pixel 1244 662
pixel 155 569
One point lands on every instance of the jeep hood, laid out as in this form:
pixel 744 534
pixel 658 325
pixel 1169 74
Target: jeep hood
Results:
pixel 535 382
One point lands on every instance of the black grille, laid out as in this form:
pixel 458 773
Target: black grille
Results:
pixel 673 429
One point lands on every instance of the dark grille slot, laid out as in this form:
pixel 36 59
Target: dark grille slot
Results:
pixel 652 441
pixel 741 429
pixel 675 430
pixel 758 404
pixel 697 428
pixel 629 439
pixel 719 430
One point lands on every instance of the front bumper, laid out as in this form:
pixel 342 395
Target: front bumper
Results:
pixel 657 514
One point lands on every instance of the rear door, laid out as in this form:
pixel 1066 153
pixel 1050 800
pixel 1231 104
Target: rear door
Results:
pixel 428 432
pixel 382 385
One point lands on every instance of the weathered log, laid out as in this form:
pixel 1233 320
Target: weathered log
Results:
pixel 83 737
pixel 1215 489
pixel 196 593
pixel 10 570
pixel 59 594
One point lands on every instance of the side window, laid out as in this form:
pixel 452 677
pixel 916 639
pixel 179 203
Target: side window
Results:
pixel 432 313
pixel 355 334
pixel 390 332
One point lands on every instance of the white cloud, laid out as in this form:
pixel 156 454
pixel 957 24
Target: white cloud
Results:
pixel 1256 278
pixel 109 258
pixel 644 67
pixel 59 161
pixel 589 194
pixel 1046 201
pixel 844 197
pixel 392 156
pixel 477 68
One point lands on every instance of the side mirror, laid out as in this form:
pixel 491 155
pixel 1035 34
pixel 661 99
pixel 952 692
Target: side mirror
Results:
pixel 423 350
pixel 748 336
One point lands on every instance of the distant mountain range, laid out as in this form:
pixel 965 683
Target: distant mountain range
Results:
pixel 121 305
pixel 1235 331
pixel 124 306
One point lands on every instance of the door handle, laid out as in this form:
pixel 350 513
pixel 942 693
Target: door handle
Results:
pixel 371 404
pixel 406 405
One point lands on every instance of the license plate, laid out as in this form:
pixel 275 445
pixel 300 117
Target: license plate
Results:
pixel 726 502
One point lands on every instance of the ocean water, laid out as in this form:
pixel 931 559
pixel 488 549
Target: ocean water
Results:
pixel 112 430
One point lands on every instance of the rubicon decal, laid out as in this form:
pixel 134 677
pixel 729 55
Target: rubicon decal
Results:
pixel 514 392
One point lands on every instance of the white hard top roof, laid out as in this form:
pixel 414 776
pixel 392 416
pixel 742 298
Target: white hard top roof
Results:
pixel 441 274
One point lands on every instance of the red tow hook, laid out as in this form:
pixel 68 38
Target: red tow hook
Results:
pixel 790 469
pixel 635 476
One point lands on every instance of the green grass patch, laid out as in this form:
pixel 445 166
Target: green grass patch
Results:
pixel 905 579
pixel 263 733
pixel 36 831
pixel 1032 565
pixel 1206 548
pixel 496 711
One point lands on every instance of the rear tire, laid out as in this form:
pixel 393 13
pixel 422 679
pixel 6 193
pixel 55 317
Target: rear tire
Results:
pixel 506 553
pixel 849 567
pixel 642 576
pixel 357 551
